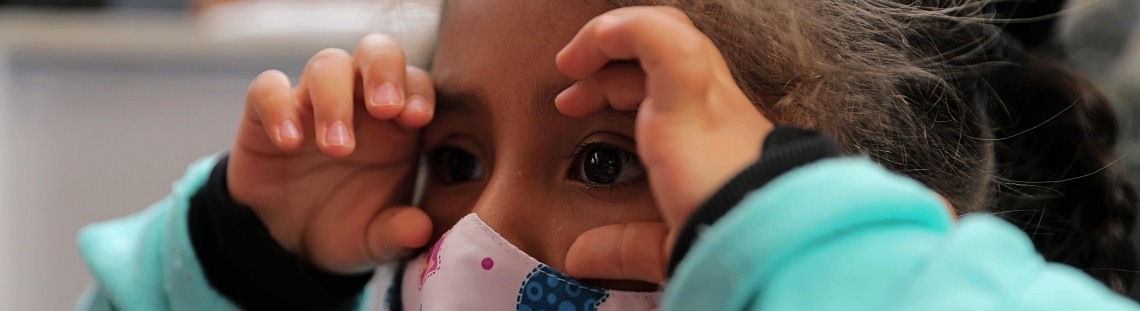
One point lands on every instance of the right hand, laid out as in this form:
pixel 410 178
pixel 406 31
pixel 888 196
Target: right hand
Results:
pixel 687 103
pixel 337 201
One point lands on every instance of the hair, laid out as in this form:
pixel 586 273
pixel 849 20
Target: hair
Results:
pixel 932 89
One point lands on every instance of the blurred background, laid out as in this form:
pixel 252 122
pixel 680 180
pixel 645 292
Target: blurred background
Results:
pixel 103 103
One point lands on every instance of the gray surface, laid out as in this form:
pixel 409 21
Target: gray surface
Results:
pixel 1099 39
pixel 1093 38
pixel 101 111
pixel 151 4
pixel 92 138
pixel 98 115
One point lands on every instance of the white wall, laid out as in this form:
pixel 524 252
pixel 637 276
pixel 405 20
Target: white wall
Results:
pixel 93 144
pixel 98 115
pixel 6 232
pixel 101 111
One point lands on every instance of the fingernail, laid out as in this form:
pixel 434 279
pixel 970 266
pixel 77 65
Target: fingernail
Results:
pixel 337 135
pixel 561 95
pixel 416 103
pixel 386 95
pixel 287 130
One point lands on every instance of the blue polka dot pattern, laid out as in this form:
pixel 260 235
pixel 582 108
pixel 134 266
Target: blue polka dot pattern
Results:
pixel 546 289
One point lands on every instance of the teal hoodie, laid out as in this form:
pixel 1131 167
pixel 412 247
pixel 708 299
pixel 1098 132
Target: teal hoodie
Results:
pixel 838 234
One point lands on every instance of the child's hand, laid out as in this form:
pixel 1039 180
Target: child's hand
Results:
pixel 328 166
pixel 695 128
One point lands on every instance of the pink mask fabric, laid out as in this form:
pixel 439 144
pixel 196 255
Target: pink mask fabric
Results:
pixel 474 268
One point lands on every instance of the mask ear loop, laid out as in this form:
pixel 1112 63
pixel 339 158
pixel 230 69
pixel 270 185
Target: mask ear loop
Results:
pixel 421 181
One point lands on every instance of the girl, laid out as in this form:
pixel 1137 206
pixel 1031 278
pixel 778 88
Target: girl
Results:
pixel 612 144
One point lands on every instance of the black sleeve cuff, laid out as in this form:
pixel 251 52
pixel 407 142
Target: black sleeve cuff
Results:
pixel 785 149
pixel 243 262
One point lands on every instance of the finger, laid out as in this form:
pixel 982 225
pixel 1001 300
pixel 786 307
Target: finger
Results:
pixel 420 105
pixel 651 34
pixel 678 58
pixel 396 231
pixel 620 85
pixel 630 251
pixel 301 98
pixel 382 67
pixel 582 99
pixel 330 83
pixel 271 100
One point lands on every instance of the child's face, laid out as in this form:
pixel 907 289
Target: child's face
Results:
pixel 499 147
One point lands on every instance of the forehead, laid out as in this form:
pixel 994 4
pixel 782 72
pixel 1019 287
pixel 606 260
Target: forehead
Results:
pixel 488 45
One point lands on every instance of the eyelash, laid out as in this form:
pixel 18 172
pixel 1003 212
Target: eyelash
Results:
pixel 434 161
pixel 573 156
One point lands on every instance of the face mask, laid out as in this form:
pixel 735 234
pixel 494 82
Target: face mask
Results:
pixel 473 268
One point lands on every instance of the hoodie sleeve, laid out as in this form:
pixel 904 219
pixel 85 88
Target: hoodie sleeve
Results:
pixel 145 261
pixel 846 234
pixel 148 261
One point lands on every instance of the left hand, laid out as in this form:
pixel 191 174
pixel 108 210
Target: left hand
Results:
pixel 695 128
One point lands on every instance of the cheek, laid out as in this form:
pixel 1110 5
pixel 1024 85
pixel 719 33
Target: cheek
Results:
pixel 599 206
pixel 542 221
pixel 634 196
pixel 581 210
pixel 446 205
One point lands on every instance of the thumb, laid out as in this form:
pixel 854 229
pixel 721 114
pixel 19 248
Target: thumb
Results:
pixel 396 231
pixel 629 251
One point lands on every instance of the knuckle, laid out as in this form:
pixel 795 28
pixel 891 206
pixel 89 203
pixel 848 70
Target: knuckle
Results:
pixel 377 40
pixel 609 27
pixel 691 46
pixel 418 79
pixel 674 13
pixel 612 34
pixel 266 82
pixel 416 71
pixel 384 65
pixel 329 55
pixel 378 45
pixel 332 53
pixel 272 74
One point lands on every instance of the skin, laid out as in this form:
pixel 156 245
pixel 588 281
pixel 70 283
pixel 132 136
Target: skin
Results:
pixel 529 195
pixel 519 85
pixel 327 164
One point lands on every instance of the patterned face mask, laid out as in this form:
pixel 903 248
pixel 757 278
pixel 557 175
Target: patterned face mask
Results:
pixel 473 268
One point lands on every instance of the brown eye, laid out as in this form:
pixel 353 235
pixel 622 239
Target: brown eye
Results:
pixel 603 164
pixel 452 165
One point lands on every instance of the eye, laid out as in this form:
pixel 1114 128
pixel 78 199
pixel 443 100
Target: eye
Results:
pixel 452 165
pixel 603 164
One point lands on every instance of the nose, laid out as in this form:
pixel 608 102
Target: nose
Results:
pixel 522 208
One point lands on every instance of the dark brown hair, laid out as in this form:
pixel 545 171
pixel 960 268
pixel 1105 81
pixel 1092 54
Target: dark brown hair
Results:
pixel 933 90
pixel 1061 182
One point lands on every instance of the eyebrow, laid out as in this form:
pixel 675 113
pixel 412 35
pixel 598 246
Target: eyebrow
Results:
pixel 539 109
pixel 541 106
pixel 460 102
